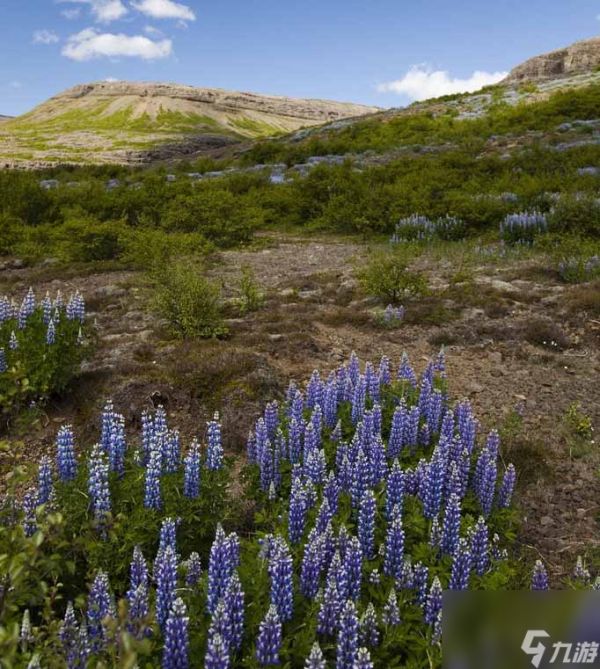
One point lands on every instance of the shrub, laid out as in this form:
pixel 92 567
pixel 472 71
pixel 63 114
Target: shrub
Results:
pixel 149 249
pixel 41 348
pixel 251 297
pixel 386 276
pixel 190 303
pixel 576 216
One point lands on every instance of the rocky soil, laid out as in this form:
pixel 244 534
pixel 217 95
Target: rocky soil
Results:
pixel 509 329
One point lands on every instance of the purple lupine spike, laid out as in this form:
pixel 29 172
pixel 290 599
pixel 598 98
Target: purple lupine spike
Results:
pixel 394 491
pixel 251 447
pixel 193 570
pixel 316 418
pixel 394 548
pixel 68 634
pixel 191 471
pixel 29 505
pixel 330 402
pixel 310 440
pixel 488 487
pixel 539 577
pixel 480 547
pixel 268 643
pixel 580 572
pixel 433 605
pixel 65 454
pixel 329 611
pixel 294 441
pixel 3 362
pixel 425 391
pixel 266 466
pixel 168 534
pixel 385 371
pixel 280 571
pixel 433 487
pixel 391 611
pixel 406 579
pixel 347 638
pixel 411 428
pixel 314 391
pixel 45 480
pixel 166 583
pixel 396 439
pixel 331 492
pixel 220 623
pixel 339 573
pixel 324 516
pixel 366 523
pixel 138 570
pixel 297 408
pixel 297 511
pixel 447 428
pixel 451 525
pixel 369 627
pixel 100 606
pixel 454 482
pixel 316 466
pixel 98 486
pixel 214 453
pixel 234 604
pixel 379 465
pixel 171 452
pixel 13 342
pixel 359 399
pixel 46 305
pixel 353 560
pixel 117 445
pixel 315 659
pixel 272 418
pixel 361 477
pixel 217 654
pixel 507 487
pixel 312 565
pixel 353 368
pixel 420 582
pixel 152 496
pixel 406 372
pixel 461 567
pixel 292 389
pixel 223 560
pixel 138 611
pixel 424 435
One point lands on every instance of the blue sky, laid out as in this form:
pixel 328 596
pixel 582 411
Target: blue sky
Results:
pixel 381 52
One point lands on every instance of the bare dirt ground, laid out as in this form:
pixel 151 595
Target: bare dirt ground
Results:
pixel 512 334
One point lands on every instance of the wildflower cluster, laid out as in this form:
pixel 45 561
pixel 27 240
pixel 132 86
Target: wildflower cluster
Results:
pixel 421 228
pixel 523 227
pixel 41 346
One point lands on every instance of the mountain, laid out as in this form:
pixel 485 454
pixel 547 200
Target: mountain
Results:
pixel 4 118
pixel 121 121
pixel 579 58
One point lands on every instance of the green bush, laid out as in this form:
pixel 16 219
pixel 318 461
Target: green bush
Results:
pixel 190 303
pixel 251 296
pixel 150 248
pixel 576 216
pixel 387 277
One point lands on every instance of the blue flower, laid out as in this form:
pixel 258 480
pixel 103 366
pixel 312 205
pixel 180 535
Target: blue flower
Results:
pixel 315 659
pixel 191 477
pixel 214 454
pixel 175 653
pixel 268 643
pixel 100 606
pixel 193 570
pixel 65 454
pixel 461 567
pixel 539 577
pixel 166 583
pixel 394 548
pixel 217 655
pixel 45 485
pixel 98 486
pixel 347 639
pixel 280 571
pixel 366 523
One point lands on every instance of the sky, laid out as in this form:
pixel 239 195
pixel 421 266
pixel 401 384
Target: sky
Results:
pixel 378 52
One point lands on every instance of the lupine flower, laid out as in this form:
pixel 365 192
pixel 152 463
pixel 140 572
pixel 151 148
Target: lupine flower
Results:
pixel 580 573
pixel 507 486
pixel 331 603
pixel 359 399
pixel 339 574
pixel 461 567
pixel 354 558
pixel 269 638
pixel 98 486
pixel 100 606
pixel 433 605
pixel 221 564
pixel 280 572
pixel 152 497
pixel 29 505
pixel 420 582
pixel 3 363
pixel 214 454
pixel 406 578
pixel 191 477
pixel 44 480
pixel 50 333
pixel 366 523
pixel 434 482
pixel 193 570
pixel 480 547
pixel 315 660
pixel 220 623
pixel 68 634
pixel 138 570
pixel 217 655
pixel 234 604
pixel 363 660
pixel 26 633
pixel 166 584
pixel 347 639
pixel 394 548
pixel 138 611
pixel 406 372
pixel 369 627
pixel 65 454
pixel 451 525
pixel 312 564
pixel 539 578
pixel 391 612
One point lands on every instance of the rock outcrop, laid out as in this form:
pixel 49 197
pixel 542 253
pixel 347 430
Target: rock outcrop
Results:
pixel 578 58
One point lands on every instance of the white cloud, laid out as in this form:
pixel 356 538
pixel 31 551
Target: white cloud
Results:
pixel 45 37
pixel 164 9
pixel 111 80
pixel 104 11
pixel 71 14
pixel 153 32
pixel 90 43
pixel 422 82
